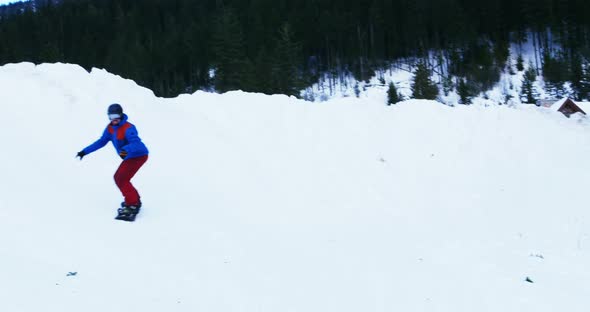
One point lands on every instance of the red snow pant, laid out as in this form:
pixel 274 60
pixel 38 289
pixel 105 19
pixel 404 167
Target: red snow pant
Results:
pixel 123 176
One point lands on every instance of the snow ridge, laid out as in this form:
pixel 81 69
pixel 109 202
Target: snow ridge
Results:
pixel 271 203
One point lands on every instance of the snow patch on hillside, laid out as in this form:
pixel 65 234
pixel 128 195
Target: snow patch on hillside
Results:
pixel 506 92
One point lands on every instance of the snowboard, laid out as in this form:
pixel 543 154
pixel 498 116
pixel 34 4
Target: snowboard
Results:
pixel 126 217
pixel 129 217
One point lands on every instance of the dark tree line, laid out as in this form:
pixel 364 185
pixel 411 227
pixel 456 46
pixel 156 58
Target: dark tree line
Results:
pixel 280 46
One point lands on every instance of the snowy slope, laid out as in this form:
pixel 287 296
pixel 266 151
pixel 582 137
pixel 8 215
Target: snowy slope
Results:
pixel 269 203
pixel 507 91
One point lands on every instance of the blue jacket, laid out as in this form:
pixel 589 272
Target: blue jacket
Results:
pixel 124 138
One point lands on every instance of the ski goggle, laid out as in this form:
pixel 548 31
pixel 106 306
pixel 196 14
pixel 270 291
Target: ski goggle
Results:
pixel 114 116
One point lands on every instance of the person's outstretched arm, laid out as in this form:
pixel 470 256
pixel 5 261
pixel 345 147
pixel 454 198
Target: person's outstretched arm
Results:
pixel 102 141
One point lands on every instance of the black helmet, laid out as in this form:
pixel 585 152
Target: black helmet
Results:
pixel 115 109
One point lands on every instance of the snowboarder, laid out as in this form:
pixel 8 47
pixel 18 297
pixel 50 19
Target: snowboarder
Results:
pixel 134 153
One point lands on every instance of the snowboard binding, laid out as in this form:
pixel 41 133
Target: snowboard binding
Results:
pixel 128 212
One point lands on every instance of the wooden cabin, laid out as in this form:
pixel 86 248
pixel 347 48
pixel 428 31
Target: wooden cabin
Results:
pixel 567 107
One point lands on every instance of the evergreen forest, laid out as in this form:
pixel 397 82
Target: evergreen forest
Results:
pixel 282 46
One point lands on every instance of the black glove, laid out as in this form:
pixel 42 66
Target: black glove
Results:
pixel 123 154
pixel 81 154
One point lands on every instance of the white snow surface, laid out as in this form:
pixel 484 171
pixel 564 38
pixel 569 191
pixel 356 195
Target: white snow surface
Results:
pixel 270 203
pixel 585 106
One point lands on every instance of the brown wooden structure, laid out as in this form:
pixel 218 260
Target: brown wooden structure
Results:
pixel 567 107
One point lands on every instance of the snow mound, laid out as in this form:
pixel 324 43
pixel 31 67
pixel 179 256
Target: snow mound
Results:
pixel 270 203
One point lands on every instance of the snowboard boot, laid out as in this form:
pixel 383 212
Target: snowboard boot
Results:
pixel 123 207
pixel 127 213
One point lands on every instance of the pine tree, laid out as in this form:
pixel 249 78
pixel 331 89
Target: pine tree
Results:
pixel 481 66
pixel 584 92
pixel 511 68
pixel 465 93
pixel 357 90
pixel 422 86
pixel 262 77
pixel 50 52
pixel 392 95
pixel 528 94
pixel 229 49
pixel 555 73
pixel 286 76
pixel 448 84
pixel 519 63
pixel 576 77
